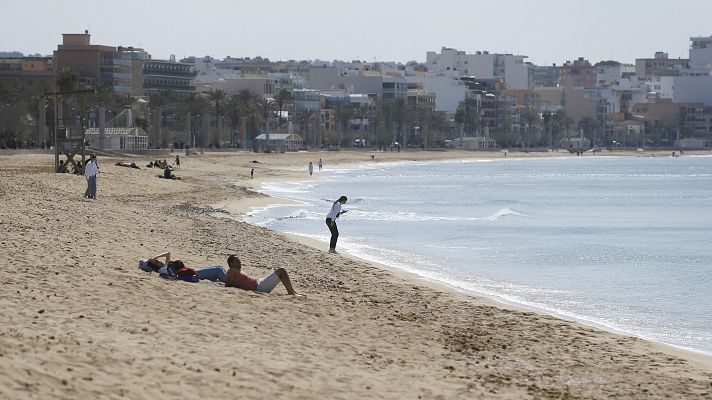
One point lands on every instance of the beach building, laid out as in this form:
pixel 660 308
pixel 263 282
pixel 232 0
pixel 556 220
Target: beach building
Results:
pixel 575 144
pixel 281 141
pixel 701 53
pixel 473 143
pixel 545 76
pixel 375 84
pixel 119 138
pixel 482 64
pixel 122 70
pixel 608 73
pixel 306 99
pixel 578 73
pixel 28 72
pixel 659 65
pixel 263 86
pixel 447 91
pixel 127 70
pixel 693 144
pixel 76 53
pixel 167 75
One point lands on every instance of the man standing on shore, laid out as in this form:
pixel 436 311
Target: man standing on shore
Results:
pixel 90 170
pixel 321 164
pixel 311 168
pixel 331 217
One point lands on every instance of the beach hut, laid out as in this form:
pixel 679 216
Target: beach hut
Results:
pixel 473 143
pixel 281 141
pixel 119 138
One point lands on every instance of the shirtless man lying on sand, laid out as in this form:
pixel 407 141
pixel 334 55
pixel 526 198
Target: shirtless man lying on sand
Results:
pixel 235 278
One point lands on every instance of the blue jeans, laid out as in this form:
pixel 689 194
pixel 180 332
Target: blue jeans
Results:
pixel 215 273
pixel 91 187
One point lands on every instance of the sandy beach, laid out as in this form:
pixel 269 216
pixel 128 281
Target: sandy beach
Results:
pixel 78 320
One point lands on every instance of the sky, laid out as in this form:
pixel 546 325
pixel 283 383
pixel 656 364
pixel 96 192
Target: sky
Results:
pixel 547 31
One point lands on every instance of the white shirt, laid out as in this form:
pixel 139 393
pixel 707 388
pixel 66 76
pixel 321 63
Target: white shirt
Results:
pixel 335 210
pixel 90 169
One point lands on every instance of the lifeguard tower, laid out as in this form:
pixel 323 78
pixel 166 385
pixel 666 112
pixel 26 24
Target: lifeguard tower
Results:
pixel 70 140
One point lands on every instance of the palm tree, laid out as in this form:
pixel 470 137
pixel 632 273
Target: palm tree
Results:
pixel 266 109
pixel 246 102
pixel 305 119
pixel 341 116
pixel 532 118
pixel 67 80
pixel 398 114
pixel 588 125
pixel 283 99
pixel 158 104
pixel 196 105
pixel 217 96
pixel 468 115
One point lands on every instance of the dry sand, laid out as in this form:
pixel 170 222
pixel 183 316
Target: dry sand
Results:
pixel 78 320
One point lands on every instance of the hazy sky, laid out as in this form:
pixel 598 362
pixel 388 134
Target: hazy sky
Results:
pixel 548 31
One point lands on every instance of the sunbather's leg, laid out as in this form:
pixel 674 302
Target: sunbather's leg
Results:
pixel 215 273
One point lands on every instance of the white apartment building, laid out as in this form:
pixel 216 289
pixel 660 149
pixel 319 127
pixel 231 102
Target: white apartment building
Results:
pixel 264 87
pixel 661 87
pixel 693 89
pixel 207 71
pixel 449 91
pixel 701 54
pixel 695 84
pixel 608 75
pixel 482 64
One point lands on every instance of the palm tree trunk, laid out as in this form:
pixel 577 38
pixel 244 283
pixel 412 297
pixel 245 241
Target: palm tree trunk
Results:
pixel 243 132
pixel 220 131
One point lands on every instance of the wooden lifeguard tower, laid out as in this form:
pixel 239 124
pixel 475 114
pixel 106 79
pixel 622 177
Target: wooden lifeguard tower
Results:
pixel 67 141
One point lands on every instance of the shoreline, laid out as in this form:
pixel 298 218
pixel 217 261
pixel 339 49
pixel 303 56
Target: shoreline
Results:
pixel 244 208
pixel 80 321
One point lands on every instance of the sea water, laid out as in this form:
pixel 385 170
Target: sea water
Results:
pixel 621 243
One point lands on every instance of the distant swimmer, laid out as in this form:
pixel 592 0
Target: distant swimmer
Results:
pixel 331 217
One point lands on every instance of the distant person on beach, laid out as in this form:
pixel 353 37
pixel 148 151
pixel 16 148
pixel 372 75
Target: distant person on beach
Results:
pixel 331 217
pixel 90 170
pixel 235 278
pixel 252 173
pixel 168 173
pixel 177 161
pixel 320 164
pixel 311 168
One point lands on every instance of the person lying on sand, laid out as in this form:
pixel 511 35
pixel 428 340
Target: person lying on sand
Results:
pixel 235 278
pixel 176 270
pixel 127 164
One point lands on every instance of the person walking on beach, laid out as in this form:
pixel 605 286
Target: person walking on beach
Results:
pixel 331 222
pixel 311 168
pixel 320 164
pixel 177 163
pixel 90 170
pixel 252 173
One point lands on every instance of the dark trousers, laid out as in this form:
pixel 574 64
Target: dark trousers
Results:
pixel 334 232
